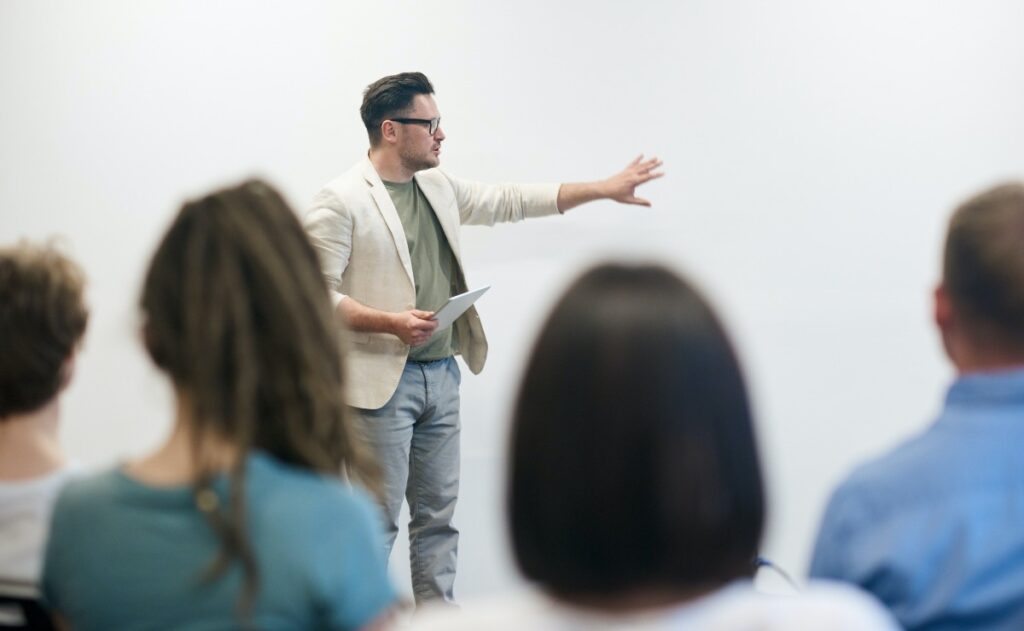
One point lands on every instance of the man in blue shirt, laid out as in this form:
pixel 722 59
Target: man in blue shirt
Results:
pixel 935 528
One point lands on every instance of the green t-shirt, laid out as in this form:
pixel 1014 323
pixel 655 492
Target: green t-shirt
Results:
pixel 433 265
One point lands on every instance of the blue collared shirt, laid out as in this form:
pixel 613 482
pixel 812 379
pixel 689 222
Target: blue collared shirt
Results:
pixel 935 528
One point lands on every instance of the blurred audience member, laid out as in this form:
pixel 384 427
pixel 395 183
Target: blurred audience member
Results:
pixel 636 499
pixel 935 528
pixel 239 519
pixel 42 320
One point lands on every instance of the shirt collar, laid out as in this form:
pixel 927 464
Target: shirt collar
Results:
pixel 1004 387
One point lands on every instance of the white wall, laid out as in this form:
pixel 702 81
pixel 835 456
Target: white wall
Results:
pixel 813 151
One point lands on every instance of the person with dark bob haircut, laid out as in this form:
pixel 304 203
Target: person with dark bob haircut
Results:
pixel 239 519
pixel 635 493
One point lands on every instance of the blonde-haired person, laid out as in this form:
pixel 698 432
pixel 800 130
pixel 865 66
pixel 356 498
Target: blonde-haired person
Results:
pixel 42 320
pixel 635 496
pixel 239 518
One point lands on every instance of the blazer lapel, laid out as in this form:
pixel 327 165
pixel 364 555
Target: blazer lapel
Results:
pixel 387 210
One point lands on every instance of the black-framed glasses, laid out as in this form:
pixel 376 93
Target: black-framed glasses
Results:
pixel 431 123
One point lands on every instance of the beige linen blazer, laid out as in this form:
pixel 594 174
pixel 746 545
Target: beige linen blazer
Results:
pixel 359 238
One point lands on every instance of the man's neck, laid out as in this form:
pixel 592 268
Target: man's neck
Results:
pixel 973 350
pixel 29 447
pixel 389 166
pixel 971 359
pixel 979 367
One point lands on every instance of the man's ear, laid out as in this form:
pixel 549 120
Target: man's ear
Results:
pixel 943 309
pixel 388 131
pixel 946 321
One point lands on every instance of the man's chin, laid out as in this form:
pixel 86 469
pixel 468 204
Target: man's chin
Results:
pixel 422 165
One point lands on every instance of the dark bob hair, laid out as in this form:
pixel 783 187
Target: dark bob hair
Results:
pixel 633 458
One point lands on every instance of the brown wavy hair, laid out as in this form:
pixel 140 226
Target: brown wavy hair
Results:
pixel 42 320
pixel 237 314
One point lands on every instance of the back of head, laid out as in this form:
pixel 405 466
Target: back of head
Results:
pixel 237 314
pixel 42 320
pixel 390 96
pixel 983 268
pixel 633 462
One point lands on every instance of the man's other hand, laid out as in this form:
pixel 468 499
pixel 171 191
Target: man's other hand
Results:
pixel 414 327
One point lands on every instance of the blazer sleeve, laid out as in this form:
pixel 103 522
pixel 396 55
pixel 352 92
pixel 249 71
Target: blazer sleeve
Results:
pixel 488 204
pixel 329 226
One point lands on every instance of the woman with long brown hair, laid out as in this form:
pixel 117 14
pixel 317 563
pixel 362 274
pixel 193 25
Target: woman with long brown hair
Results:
pixel 239 518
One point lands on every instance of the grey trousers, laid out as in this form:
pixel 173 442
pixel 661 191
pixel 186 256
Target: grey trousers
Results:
pixel 416 439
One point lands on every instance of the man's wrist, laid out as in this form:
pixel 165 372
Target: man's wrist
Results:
pixel 387 322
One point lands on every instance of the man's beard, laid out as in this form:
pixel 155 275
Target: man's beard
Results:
pixel 414 162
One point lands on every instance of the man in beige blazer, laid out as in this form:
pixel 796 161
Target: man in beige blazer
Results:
pixel 387 233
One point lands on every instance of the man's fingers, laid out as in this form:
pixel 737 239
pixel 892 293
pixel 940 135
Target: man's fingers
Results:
pixel 649 165
pixel 419 339
pixel 644 165
pixel 419 327
pixel 638 201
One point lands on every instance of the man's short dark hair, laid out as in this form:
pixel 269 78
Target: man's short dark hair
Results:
pixel 983 267
pixel 42 320
pixel 390 96
pixel 633 462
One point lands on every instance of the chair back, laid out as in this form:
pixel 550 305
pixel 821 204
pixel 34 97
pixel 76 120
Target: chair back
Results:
pixel 21 607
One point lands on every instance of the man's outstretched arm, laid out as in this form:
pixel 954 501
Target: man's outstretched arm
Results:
pixel 620 187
